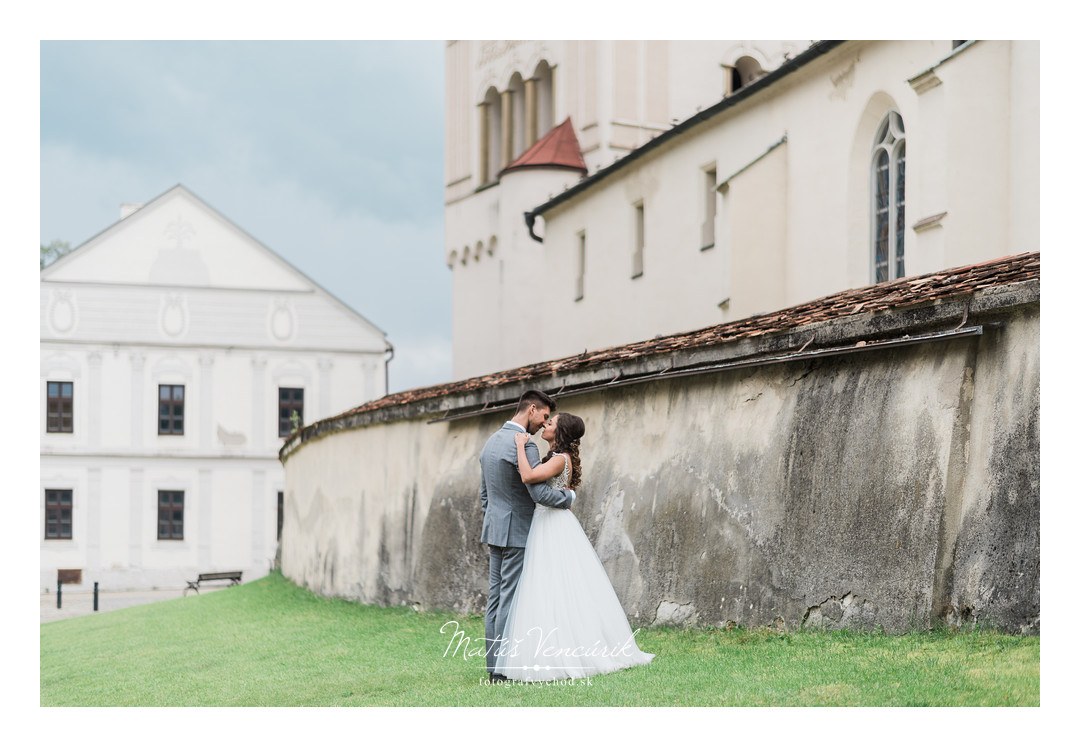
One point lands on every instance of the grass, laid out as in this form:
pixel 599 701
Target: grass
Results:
pixel 271 643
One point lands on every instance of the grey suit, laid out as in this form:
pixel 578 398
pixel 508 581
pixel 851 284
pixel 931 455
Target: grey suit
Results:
pixel 508 506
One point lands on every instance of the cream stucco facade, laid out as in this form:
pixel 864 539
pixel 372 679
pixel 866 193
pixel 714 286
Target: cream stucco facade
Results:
pixel 766 202
pixel 174 294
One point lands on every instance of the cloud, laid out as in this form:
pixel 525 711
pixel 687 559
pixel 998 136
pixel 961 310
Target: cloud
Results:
pixel 328 153
pixel 81 191
pixel 359 122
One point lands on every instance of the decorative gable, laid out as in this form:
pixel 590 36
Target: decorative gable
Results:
pixel 177 270
pixel 178 240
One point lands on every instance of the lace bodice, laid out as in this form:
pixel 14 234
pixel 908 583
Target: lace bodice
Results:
pixel 563 479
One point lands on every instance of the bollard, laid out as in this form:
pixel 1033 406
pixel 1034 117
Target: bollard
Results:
pixel 59 584
pixel 95 596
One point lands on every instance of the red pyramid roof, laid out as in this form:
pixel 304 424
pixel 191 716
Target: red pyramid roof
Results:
pixel 558 149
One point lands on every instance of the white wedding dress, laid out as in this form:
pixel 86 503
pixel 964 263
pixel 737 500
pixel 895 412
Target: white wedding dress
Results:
pixel 565 620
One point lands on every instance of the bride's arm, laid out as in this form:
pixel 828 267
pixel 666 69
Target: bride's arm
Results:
pixel 541 472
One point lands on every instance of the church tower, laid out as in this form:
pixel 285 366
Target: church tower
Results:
pixel 525 120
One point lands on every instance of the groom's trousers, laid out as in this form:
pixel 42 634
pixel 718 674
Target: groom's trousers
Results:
pixel 504 572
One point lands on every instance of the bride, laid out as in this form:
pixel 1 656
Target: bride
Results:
pixel 565 620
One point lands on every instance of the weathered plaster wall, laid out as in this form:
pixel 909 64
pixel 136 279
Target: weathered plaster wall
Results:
pixel 895 488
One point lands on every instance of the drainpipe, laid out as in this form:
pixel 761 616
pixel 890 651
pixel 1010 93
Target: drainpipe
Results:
pixel 530 221
pixel 386 376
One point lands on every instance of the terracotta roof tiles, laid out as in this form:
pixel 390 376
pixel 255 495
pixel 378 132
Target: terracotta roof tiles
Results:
pixel 557 149
pixel 902 293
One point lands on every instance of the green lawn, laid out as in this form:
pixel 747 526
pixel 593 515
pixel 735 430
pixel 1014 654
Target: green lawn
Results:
pixel 270 643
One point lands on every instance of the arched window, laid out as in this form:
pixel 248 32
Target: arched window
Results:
pixel 887 217
pixel 517 116
pixel 490 135
pixel 745 71
pixel 545 99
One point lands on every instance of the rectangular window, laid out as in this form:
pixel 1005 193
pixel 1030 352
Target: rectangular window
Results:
pixel 290 410
pixel 280 513
pixel 579 288
pixel 637 262
pixel 708 226
pixel 170 525
pixel 60 398
pixel 171 409
pixel 58 514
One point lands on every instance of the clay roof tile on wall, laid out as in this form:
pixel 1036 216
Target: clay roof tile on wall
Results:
pixel 957 285
pixel 896 294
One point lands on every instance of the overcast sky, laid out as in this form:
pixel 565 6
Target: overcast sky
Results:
pixel 330 153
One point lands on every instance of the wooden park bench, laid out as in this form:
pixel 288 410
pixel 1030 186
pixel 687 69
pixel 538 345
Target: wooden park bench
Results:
pixel 232 576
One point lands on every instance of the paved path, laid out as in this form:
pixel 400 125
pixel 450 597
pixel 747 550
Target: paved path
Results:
pixel 77 603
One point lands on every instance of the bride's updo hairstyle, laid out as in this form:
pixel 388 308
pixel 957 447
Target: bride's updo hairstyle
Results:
pixel 568 432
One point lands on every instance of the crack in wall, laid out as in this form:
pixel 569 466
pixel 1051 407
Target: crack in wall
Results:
pixel 849 610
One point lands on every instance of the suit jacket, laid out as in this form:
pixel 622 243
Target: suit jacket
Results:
pixel 509 503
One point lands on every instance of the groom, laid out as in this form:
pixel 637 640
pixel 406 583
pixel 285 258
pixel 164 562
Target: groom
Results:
pixel 508 506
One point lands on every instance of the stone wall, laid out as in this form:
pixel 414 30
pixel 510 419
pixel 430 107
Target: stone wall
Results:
pixel 894 487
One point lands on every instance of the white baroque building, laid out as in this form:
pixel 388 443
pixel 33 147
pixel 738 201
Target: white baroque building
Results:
pixel 175 350
pixel 604 192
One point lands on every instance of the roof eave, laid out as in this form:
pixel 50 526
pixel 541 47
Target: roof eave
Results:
pixel 534 166
pixel 795 63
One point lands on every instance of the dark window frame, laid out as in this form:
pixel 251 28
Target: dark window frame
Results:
pixel 286 406
pixel 171 421
pixel 59 407
pixel 169 526
pixel 57 502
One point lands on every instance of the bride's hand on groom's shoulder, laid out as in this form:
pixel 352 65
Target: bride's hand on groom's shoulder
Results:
pixel 521 438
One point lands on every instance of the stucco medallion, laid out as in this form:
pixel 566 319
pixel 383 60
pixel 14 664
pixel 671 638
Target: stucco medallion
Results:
pixel 63 314
pixel 282 321
pixel 174 317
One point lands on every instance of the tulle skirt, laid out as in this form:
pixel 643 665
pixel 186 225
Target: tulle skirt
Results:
pixel 565 620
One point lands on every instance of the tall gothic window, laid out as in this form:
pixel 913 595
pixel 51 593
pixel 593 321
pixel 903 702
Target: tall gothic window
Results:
pixel 888 177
